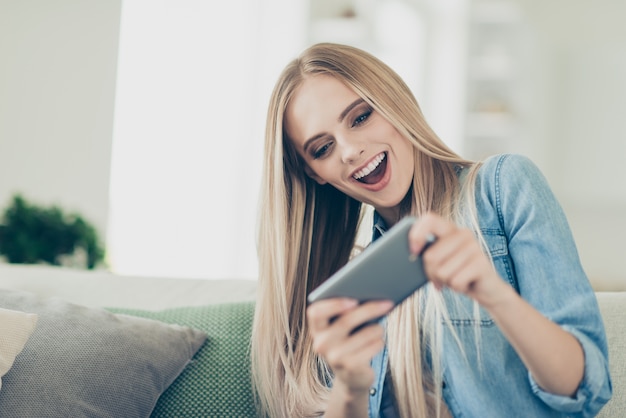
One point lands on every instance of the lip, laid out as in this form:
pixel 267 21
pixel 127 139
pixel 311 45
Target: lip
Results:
pixel 382 183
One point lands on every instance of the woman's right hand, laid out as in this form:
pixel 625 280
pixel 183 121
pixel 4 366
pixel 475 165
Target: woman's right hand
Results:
pixel 348 353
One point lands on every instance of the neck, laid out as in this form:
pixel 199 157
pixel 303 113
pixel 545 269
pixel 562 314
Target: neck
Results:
pixel 394 214
pixel 390 215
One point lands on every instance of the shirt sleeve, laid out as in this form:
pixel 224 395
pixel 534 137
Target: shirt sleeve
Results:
pixel 551 278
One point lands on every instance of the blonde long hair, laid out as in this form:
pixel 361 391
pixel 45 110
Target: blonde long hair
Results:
pixel 307 232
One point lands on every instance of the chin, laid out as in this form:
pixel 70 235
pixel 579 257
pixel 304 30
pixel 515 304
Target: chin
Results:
pixel 393 204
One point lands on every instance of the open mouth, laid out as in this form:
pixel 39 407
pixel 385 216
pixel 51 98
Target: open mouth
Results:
pixel 374 171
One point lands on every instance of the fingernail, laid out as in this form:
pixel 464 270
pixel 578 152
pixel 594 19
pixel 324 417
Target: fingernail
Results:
pixel 350 303
pixel 386 305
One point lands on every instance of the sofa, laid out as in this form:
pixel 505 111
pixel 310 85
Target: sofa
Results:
pixel 186 353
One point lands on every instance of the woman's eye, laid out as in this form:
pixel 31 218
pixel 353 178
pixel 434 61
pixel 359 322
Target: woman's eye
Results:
pixel 320 152
pixel 362 117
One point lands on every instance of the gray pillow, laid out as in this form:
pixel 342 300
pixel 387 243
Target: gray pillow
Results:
pixel 86 362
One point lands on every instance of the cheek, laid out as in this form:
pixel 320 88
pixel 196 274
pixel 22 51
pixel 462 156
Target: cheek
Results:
pixel 323 172
pixel 407 161
pixel 407 152
pixel 409 170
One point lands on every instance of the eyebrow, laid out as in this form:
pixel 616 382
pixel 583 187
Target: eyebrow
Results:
pixel 349 108
pixel 340 119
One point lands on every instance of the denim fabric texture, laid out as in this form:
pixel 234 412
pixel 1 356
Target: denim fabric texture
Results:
pixel 534 251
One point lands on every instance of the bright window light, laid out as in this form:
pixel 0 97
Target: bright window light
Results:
pixel 193 85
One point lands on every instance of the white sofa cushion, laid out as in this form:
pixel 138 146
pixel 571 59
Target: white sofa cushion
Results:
pixel 104 289
pixel 613 308
pixel 15 329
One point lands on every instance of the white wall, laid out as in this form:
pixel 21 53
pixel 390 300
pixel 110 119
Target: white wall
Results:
pixel 58 77
pixel 57 84
pixel 579 90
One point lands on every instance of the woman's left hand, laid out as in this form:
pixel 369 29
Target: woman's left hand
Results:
pixel 457 260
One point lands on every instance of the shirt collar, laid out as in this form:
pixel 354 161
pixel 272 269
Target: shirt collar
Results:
pixel 379 228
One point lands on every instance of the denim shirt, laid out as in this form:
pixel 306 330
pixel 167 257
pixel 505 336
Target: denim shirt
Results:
pixel 533 250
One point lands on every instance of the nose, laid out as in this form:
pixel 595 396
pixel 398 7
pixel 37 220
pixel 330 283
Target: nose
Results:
pixel 352 151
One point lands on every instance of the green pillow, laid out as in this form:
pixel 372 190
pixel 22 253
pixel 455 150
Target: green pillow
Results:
pixel 217 382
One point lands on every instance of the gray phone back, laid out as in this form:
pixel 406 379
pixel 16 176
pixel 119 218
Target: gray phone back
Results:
pixel 384 270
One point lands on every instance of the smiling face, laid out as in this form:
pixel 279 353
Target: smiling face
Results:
pixel 346 143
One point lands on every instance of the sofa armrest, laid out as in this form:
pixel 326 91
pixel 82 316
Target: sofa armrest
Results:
pixel 613 309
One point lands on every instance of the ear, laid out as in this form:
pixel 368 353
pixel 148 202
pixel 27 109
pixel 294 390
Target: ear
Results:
pixel 309 172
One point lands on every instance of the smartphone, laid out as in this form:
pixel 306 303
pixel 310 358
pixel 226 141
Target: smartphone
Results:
pixel 384 270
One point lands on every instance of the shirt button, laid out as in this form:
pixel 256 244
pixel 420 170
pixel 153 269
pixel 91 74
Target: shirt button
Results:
pixel 372 391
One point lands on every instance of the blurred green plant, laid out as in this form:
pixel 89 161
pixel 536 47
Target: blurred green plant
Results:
pixel 31 234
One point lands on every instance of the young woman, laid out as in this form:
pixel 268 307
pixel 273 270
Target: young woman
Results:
pixel 509 325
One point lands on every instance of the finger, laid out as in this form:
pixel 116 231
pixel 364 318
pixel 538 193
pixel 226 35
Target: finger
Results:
pixel 452 256
pixel 320 314
pixel 462 283
pixel 337 341
pixel 428 226
pixel 331 334
pixel 358 348
pixel 366 312
pixel 477 270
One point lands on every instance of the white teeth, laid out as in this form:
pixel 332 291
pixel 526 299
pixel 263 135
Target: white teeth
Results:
pixel 370 167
